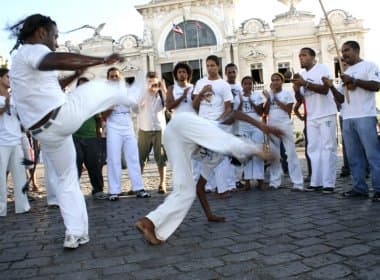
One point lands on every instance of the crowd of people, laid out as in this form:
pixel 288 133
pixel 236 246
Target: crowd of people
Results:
pixel 222 134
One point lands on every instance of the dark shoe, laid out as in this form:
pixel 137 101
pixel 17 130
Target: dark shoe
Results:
pixel 353 193
pixel 376 197
pixel 142 194
pixel 328 190
pixel 99 196
pixel 239 185
pixel 344 173
pixel 313 189
pixel 113 197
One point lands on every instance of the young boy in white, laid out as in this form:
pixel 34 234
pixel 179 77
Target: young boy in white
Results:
pixel 278 107
pixel 321 121
pixel 11 154
pixel 252 105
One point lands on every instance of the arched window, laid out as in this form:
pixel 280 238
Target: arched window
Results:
pixel 195 34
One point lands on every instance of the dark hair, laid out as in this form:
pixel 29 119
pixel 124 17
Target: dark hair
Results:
pixel 3 71
pixel 310 51
pixel 353 44
pixel 112 69
pixel 183 65
pixel 151 75
pixel 229 65
pixel 82 80
pixel 280 75
pixel 248 78
pixel 26 28
pixel 213 58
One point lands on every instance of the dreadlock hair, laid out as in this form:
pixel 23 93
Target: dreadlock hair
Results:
pixel 25 28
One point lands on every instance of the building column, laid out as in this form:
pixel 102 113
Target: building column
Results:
pixel 235 52
pixel 151 62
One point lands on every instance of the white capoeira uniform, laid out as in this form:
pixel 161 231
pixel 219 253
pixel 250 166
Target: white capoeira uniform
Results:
pixel 280 119
pixel 11 156
pixel 121 138
pixel 254 168
pixel 181 138
pixel 321 129
pixel 212 108
pixel 235 173
pixel 50 181
pixel 37 93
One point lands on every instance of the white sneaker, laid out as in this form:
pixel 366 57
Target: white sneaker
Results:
pixel 72 241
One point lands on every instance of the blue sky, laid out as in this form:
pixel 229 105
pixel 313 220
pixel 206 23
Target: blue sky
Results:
pixel 121 18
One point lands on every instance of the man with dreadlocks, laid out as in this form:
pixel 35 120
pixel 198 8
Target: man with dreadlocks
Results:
pixel 51 116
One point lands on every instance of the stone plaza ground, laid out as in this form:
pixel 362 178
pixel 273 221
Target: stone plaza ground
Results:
pixel 268 235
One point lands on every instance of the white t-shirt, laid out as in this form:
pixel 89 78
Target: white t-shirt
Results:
pixel 10 131
pixel 212 107
pixel 276 114
pixel 120 119
pixel 35 92
pixel 186 105
pixel 362 102
pixel 318 105
pixel 236 91
pixel 151 113
pixel 257 99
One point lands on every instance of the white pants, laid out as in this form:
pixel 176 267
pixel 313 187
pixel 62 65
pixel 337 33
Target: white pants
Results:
pixel 50 181
pixel 57 144
pixel 254 168
pixel 321 148
pixel 118 142
pixel 26 150
pixel 184 132
pixel 10 159
pixel 295 171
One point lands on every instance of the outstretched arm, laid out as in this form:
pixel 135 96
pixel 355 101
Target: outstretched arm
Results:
pixel 72 61
pixel 237 115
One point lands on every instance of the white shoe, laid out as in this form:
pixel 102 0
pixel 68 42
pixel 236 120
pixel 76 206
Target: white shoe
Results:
pixel 72 241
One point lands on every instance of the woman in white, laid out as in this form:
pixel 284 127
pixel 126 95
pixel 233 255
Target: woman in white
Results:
pixel 278 108
pixel 11 154
pixel 252 105
pixel 121 138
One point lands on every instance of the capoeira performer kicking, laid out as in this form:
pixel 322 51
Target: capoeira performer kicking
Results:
pixel 52 117
pixel 183 135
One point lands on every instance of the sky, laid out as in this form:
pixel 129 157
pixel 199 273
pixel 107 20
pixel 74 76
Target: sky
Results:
pixel 122 18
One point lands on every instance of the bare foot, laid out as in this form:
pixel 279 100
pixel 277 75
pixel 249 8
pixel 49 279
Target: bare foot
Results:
pixel 223 195
pixel 146 227
pixel 213 218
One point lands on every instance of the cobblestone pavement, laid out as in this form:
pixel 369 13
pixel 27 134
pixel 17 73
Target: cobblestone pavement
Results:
pixel 268 235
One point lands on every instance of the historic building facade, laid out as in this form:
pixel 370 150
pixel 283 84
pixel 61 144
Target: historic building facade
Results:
pixel 190 30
